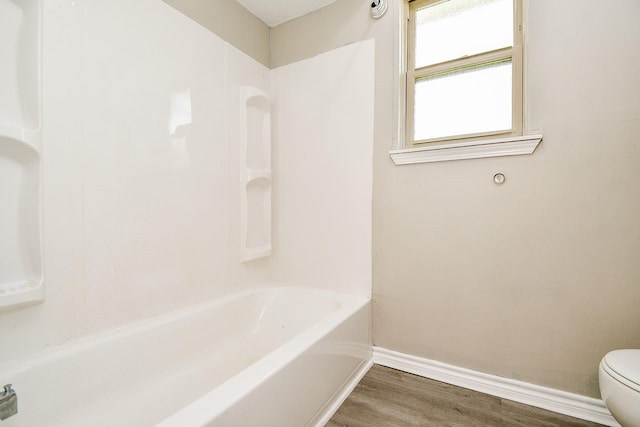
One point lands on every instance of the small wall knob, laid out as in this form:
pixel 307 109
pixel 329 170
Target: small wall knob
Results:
pixel 499 178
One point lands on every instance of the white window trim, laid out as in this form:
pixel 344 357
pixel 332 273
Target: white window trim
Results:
pixel 447 151
pixel 441 152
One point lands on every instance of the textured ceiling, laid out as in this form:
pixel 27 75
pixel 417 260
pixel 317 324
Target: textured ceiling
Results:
pixel 275 12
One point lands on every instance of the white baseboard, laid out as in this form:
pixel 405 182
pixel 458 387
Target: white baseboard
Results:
pixel 325 415
pixel 562 402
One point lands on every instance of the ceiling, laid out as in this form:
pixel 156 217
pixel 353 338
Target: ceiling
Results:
pixel 275 12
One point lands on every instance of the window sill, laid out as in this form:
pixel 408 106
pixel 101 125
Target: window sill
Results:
pixel 441 152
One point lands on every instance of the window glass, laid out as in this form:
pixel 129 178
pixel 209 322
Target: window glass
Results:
pixel 453 29
pixel 472 100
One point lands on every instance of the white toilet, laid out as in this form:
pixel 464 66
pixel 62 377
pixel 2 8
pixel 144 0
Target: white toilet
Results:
pixel 619 376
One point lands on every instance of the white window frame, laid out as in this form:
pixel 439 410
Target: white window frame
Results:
pixel 489 144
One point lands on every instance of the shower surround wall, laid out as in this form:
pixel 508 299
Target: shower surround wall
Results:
pixel 142 116
pixel 141 199
pixel 323 164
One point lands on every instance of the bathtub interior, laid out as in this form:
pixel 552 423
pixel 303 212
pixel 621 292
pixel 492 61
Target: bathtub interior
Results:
pixel 143 373
pixel 297 383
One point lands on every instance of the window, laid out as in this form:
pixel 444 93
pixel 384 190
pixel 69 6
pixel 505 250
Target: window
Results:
pixel 464 71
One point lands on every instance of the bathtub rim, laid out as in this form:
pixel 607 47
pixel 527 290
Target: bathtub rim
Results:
pixel 51 352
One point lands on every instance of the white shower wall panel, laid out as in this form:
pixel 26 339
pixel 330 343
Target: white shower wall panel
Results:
pixel 154 171
pixel 139 215
pixel 323 169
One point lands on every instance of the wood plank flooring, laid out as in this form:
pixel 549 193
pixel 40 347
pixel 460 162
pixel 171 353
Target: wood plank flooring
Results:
pixel 386 397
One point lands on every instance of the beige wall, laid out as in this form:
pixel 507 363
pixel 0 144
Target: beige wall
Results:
pixel 535 279
pixel 231 22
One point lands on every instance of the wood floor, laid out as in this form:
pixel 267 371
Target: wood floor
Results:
pixel 386 397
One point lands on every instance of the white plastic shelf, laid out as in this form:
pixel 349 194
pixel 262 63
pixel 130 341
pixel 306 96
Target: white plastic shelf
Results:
pixel 256 177
pixel 21 277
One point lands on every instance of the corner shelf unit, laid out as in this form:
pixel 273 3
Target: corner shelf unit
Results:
pixel 21 271
pixel 21 279
pixel 255 208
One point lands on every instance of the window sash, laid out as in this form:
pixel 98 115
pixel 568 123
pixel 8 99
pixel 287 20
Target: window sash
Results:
pixel 514 53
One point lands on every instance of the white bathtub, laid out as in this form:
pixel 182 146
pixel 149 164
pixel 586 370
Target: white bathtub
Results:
pixel 267 357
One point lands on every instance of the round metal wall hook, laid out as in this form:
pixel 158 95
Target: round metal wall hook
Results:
pixel 499 178
pixel 378 8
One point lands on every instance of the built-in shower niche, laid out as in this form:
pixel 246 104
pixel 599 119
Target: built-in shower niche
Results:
pixel 20 254
pixel 256 176
pixel 21 279
pixel 20 64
